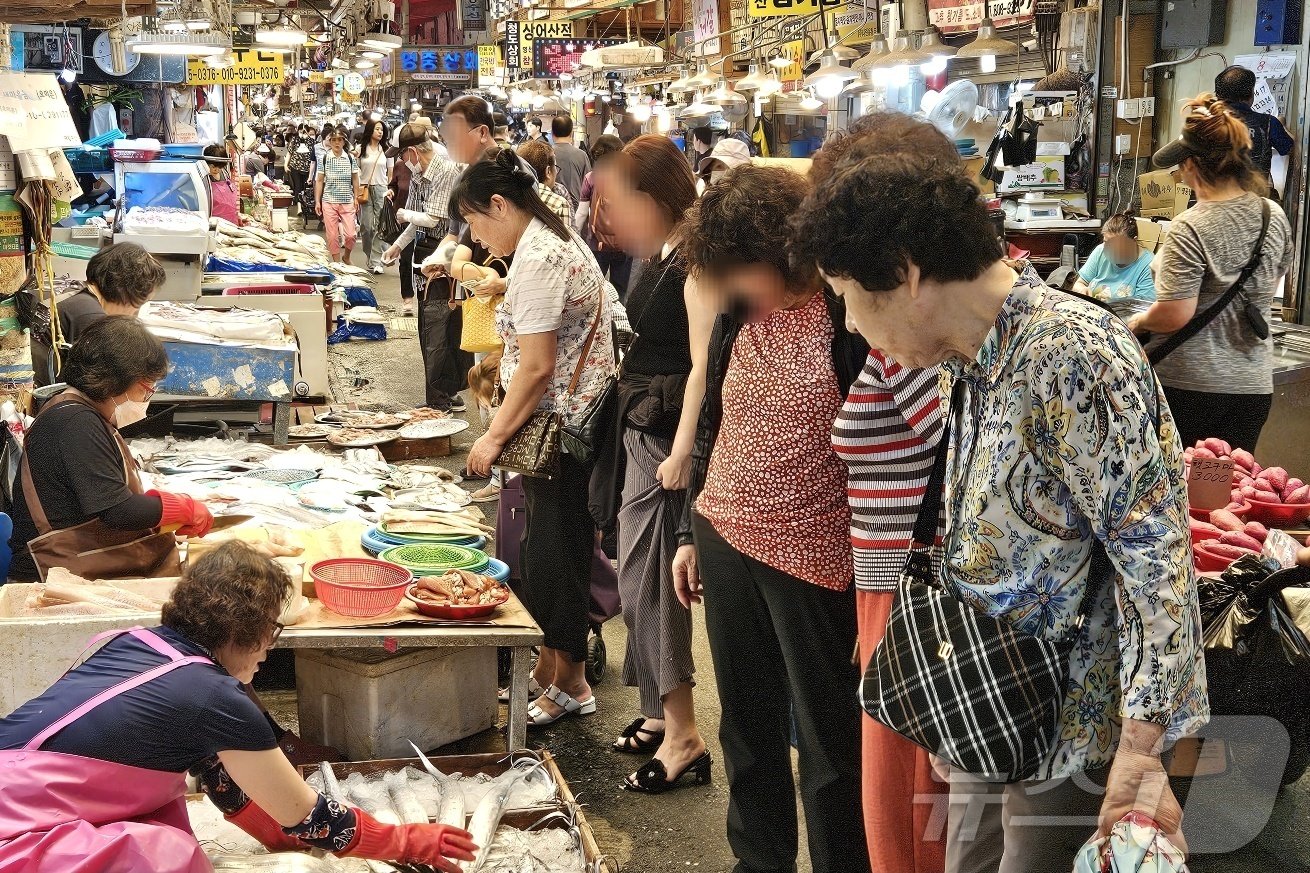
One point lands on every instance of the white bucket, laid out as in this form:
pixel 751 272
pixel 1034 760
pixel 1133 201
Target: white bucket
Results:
pixel 278 219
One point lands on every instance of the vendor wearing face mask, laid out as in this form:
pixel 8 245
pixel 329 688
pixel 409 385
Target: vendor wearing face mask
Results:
pixel 1118 272
pixel 119 281
pixel 78 501
pixel 728 154
pixel 224 196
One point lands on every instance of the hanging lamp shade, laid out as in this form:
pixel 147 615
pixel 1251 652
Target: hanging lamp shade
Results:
pixel 281 34
pixel 843 53
pixel 197 45
pixel 903 54
pixel 877 49
pixel 752 80
pixel 830 68
pixel 703 79
pixel 860 85
pixel 986 43
pixel 931 44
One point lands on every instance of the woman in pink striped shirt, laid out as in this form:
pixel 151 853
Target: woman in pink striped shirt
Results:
pixel 887 433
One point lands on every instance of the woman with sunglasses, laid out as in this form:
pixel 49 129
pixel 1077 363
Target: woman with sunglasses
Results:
pixel 78 502
pixel 95 767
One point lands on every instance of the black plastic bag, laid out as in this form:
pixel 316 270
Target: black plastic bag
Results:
pixel 1257 661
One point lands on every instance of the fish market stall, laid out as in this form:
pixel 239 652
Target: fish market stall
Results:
pixel 242 358
pixel 164 207
pixel 367 672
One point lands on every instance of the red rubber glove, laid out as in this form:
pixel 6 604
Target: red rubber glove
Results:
pixel 263 827
pixel 183 514
pixel 437 845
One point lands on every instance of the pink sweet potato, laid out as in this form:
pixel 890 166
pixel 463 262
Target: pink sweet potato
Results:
pixel 1243 459
pixel 1256 531
pixel 1292 485
pixel 1203 452
pixel 1204 529
pixel 1300 495
pixel 1228 550
pixel 1236 505
pixel 1237 538
pixel 1225 520
pixel 1220 448
pixel 1267 496
pixel 1248 490
pixel 1277 477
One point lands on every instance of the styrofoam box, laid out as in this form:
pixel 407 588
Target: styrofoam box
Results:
pixel 370 704
pixel 37 651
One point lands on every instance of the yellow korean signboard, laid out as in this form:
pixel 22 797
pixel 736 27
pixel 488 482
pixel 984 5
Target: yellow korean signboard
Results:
pixel 855 24
pixel 251 68
pixel 777 8
pixel 488 61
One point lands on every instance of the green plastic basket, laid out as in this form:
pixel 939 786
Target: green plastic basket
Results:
pixel 425 559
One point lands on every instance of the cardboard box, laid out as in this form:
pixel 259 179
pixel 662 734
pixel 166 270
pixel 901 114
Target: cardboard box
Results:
pixel 1182 198
pixel 974 167
pixel 1149 233
pixel 1045 174
pixel 1157 192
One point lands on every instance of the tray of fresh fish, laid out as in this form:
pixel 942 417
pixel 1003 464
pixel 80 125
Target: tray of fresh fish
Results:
pixel 435 780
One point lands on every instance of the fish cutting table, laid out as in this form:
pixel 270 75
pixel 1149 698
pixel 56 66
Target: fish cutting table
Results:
pixel 514 629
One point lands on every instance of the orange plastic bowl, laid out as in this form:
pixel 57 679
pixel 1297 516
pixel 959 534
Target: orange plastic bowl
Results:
pixel 1278 514
pixel 1198 538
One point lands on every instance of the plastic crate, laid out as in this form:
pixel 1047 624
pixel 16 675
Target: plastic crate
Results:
pixel 89 160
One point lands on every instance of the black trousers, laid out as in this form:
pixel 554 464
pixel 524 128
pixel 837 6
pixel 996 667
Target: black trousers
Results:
pixel 407 272
pixel 445 365
pixel 559 539
pixel 782 655
pixel 1237 418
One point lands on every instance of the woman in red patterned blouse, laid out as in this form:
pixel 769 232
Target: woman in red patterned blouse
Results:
pixel 771 529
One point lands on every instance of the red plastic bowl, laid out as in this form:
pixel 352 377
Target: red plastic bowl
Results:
pixel 1204 514
pixel 454 613
pixel 1208 562
pixel 1198 538
pixel 1278 514
pixel 360 587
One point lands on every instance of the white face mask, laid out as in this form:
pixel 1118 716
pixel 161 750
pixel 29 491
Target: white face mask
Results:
pixel 129 412
pixel 716 175
pixel 414 166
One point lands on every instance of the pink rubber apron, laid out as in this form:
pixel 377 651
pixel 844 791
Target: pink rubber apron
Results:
pixel 225 202
pixel 68 814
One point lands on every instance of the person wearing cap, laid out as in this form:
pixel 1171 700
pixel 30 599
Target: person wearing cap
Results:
pixel 224 198
pixel 728 154
pixel 1236 87
pixel 1219 382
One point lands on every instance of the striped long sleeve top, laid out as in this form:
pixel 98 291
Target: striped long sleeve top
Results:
pixel 887 433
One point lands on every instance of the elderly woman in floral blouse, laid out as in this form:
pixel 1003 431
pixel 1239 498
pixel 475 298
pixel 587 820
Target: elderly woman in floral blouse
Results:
pixel 1065 440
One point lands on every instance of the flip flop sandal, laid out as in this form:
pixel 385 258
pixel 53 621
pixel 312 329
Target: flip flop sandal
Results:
pixel 654 778
pixel 538 717
pixel 633 742
pixel 534 691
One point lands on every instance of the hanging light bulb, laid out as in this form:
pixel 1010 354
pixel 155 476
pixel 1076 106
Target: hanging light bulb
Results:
pixel 877 50
pixel 831 76
pixel 663 118
pixel 365 64
pixel 751 81
pixel 986 46
pixel 780 61
pixel 931 44
pixel 810 103
pixel 640 111
pixel 281 34
pixel 769 86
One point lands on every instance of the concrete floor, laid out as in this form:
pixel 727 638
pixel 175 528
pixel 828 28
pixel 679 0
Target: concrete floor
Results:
pixel 684 829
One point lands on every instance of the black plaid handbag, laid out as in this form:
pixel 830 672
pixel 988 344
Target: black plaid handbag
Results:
pixel 967 687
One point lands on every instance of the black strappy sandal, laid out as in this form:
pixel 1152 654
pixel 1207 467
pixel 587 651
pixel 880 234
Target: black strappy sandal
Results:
pixel 634 744
pixel 653 778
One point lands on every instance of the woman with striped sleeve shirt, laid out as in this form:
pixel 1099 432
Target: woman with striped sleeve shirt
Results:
pixel 887 433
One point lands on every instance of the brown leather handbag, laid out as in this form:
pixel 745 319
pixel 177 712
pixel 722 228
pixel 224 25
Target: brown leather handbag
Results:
pixel 534 449
pixel 92 549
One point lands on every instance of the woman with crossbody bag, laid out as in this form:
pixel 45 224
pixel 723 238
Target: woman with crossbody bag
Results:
pixel 555 322
pixel 1066 510
pixel 1216 275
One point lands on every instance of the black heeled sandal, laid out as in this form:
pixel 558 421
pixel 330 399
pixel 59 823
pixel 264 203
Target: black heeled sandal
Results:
pixel 633 743
pixel 653 778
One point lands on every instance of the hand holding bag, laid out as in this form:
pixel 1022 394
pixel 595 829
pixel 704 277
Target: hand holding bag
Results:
pixel 535 447
pixel 967 687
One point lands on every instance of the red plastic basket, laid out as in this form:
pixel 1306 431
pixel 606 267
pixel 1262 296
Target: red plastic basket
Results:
pixel 359 587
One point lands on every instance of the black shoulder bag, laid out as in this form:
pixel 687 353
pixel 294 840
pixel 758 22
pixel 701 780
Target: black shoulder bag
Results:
pixel 969 688
pixel 1254 316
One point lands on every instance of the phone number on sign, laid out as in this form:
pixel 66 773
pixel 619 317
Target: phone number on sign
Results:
pixel 236 76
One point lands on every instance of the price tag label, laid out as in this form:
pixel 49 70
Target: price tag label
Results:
pixel 1210 483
